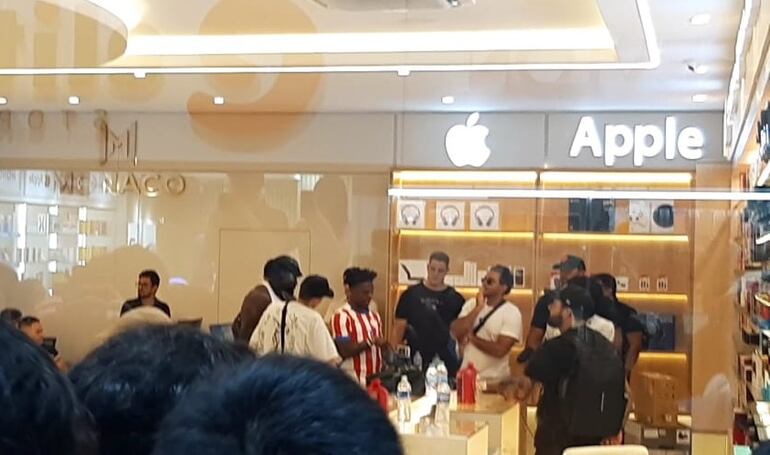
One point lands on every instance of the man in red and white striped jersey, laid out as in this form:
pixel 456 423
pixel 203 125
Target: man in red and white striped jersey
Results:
pixel 356 329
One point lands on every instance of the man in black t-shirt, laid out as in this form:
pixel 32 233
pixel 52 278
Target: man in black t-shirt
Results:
pixel 572 271
pixel 552 364
pixel 427 310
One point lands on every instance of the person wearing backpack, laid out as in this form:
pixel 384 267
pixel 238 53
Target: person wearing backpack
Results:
pixel 584 395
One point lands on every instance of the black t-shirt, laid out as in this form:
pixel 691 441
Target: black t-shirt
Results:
pixel 604 308
pixel 430 313
pixel 550 365
pixel 136 303
pixel 541 313
pixel 628 321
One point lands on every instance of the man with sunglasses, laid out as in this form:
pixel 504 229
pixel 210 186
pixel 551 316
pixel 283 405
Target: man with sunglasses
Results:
pixel 489 326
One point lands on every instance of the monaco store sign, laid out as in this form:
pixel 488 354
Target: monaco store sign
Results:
pixel 641 141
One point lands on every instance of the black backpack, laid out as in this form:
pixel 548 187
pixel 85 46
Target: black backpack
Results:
pixel 593 397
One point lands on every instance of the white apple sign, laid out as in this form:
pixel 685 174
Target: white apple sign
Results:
pixel 466 145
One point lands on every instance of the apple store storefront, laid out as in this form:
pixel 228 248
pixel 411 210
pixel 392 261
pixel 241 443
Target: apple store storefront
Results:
pixel 85 205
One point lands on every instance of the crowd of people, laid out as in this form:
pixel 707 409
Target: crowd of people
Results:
pixel 284 385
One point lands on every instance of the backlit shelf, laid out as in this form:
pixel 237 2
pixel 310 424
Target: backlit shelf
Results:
pixel 473 177
pixel 630 238
pixel 667 356
pixel 474 290
pixel 659 297
pixel 467 234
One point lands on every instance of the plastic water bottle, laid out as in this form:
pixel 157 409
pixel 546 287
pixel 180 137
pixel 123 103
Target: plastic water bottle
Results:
pixel 431 382
pixel 442 373
pixel 442 405
pixel 404 399
pixel 418 360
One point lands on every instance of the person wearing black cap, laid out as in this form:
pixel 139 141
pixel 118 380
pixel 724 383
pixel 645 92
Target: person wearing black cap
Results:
pixel 296 328
pixel 280 275
pixel 560 365
pixel 570 268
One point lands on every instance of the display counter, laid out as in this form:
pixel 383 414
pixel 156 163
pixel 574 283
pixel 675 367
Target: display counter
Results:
pixel 490 426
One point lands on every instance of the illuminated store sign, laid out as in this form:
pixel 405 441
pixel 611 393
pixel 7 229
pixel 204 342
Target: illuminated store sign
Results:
pixel 466 145
pixel 640 141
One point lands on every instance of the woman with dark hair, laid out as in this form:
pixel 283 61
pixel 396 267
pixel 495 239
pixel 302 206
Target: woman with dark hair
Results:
pixel 626 317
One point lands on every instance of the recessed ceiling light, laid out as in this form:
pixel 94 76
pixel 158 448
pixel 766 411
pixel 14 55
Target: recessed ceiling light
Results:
pixel 403 72
pixel 74 100
pixel 140 74
pixel 3 101
pixel 699 98
pixel 219 100
pixel 700 19
pixel 448 99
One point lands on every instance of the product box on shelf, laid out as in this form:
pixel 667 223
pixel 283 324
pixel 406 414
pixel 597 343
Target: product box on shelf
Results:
pixel 656 403
pixel 676 439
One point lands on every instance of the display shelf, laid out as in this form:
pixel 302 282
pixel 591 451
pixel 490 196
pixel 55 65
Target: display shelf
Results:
pixel 601 237
pixel 467 234
pixel 652 296
pixel 471 291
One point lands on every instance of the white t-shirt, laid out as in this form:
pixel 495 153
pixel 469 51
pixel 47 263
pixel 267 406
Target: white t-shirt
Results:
pixel 596 322
pixel 506 322
pixel 306 333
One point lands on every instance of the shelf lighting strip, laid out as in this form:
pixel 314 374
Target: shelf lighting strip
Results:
pixel 464 177
pixel 467 234
pixel 660 297
pixel 475 290
pixel 644 238
pixel 626 178
pixel 501 193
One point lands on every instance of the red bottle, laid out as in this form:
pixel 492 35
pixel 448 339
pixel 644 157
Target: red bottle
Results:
pixel 379 393
pixel 466 385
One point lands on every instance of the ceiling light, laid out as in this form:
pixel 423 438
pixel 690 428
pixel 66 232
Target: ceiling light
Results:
pixel 219 100
pixel 448 99
pixel 74 100
pixel 597 38
pixel 698 69
pixel 403 72
pixel 700 19
pixel 140 74
pixel 699 98
pixel 3 101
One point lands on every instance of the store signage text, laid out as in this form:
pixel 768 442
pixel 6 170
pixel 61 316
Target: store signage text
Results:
pixel 640 141
pixel 151 185
pixel 117 183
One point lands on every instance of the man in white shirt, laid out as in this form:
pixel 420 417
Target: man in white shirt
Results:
pixel 296 328
pixel 489 326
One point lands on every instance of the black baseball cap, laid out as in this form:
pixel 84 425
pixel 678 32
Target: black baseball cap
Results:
pixel 570 262
pixel 578 299
pixel 282 264
pixel 314 287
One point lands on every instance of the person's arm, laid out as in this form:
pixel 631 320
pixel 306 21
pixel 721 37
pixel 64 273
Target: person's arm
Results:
pixel 618 339
pixel 397 334
pixel 254 305
pixel 498 348
pixel 400 322
pixel 552 361
pixel 322 346
pixel 463 326
pixel 538 324
pixel 342 339
pixel 634 348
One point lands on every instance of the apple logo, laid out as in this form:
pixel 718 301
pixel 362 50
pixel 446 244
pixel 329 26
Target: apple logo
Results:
pixel 466 145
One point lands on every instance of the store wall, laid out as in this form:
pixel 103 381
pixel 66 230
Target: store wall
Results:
pixel 209 244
